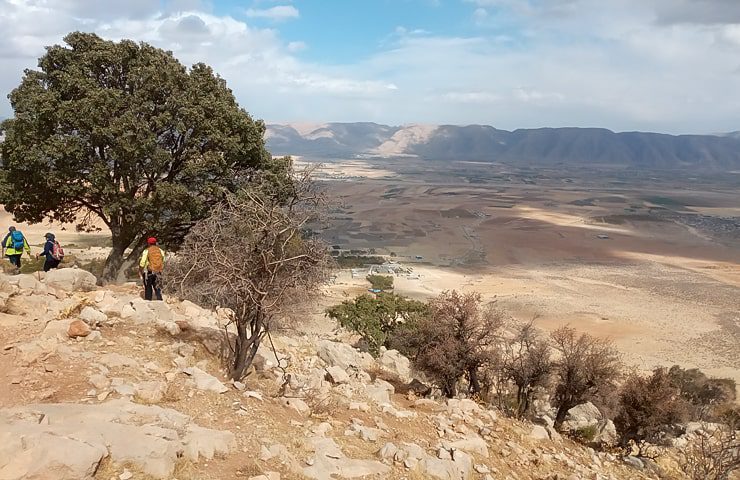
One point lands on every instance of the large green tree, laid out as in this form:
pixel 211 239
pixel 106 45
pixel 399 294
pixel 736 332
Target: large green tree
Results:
pixel 122 131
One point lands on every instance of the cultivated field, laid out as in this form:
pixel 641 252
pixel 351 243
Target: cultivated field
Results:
pixel 648 260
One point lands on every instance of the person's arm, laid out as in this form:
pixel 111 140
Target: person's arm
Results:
pixel 48 248
pixel 143 262
pixel 26 247
pixel 5 241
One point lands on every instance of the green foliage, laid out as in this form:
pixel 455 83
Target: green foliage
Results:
pixel 375 318
pixel 125 133
pixel 585 434
pixel 381 282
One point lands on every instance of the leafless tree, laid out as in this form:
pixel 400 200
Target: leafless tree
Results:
pixel 254 255
pixel 712 455
pixel 585 367
pixel 525 361
pixel 455 339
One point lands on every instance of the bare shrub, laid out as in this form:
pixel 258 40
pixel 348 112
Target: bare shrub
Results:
pixel 525 361
pixel 253 255
pixel 707 396
pixel 584 368
pixel 712 455
pixel 454 340
pixel 647 405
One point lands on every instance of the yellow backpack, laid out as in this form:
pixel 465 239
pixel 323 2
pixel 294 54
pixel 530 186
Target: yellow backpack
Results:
pixel 156 259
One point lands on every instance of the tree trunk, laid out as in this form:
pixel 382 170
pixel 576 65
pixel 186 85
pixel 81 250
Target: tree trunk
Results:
pixel 474 383
pixel 246 347
pixel 562 413
pixel 114 261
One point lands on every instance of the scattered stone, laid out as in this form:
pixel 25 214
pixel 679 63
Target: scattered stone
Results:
pixel 71 280
pixel 253 394
pixel 379 391
pixel 126 475
pixel 296 404
pixel 116 360
pixel 337 375
pixel 239 386
pixel 539 433
pixel 78 328
pixel 205 381
pixel 93 317
pixel 361 406
pixel 343 355
pixel 151 391
pixel 634 462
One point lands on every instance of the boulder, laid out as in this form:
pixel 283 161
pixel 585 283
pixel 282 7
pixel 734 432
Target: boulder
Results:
pixel 539 433
pixel 607 433
pixel 471 444
pixel 150 392
pixel 329 462
pixel 379 391
pixel 71 280
pixel 92 316
pixel 296 404
pixel 205 381
pixel 78 328
pixel 395 363
pixel 68 441
pixel 583 415
pixel 56 329
pixel 336 375
pixel 343 355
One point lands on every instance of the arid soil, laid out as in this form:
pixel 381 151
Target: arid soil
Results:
pixel 652 263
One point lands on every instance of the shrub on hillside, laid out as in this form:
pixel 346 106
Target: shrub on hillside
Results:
pixel 647 406
pixel 525 362
pixel 456 338
pixel 586 367
pixel 707 396
pixel 375 318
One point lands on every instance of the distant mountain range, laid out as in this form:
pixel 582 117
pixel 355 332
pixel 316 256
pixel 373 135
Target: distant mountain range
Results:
pixel 547 146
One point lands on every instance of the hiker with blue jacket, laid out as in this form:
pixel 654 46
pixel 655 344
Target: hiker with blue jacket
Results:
pixel 52 251
pixel 15 244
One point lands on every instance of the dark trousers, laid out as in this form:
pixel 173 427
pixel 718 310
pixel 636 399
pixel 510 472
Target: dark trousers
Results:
pixel 50 263
pixel 152 286
pixel 15 260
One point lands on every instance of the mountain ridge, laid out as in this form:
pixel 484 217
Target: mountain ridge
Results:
pixel 548 145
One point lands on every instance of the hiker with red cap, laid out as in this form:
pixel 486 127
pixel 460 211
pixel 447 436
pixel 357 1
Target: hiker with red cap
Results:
pixel 151 266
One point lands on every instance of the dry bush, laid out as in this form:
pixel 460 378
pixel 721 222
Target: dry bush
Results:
pixel 456 338
pixel 708 397
pixel 647 407
pixel 525 361
pixel 253 255
pixel 712 455
pixel 585 367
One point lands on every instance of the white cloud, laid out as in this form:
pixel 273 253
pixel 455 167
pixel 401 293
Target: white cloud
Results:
pixel 297 46
pixel 277 13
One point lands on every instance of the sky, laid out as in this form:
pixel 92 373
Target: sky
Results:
pixel 653 65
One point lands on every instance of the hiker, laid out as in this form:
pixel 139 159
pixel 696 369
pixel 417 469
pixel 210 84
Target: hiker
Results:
pixel 15 244
pixel 150 269
pixel 53 252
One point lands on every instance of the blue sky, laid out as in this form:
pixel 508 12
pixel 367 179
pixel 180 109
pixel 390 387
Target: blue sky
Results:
pixel 658 65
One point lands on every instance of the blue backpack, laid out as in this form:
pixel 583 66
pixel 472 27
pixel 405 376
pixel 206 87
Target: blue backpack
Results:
pixel 17 240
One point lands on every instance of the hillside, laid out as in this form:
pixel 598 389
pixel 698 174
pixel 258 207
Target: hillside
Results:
pixel 549 146
pixel 101 384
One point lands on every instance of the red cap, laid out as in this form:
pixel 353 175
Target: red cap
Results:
pixel 151 241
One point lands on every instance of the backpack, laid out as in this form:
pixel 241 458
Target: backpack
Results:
pixel 156 260
pixel 57 252
pixel 16 240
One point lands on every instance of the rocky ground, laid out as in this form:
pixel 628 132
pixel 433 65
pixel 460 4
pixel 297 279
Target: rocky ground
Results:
pixel 101 384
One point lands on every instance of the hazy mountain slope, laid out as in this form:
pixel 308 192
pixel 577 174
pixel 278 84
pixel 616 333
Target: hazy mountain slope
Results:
pixel 485 143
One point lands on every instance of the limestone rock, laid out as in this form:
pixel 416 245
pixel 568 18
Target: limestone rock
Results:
pixel 56 329
pixel 92 316
pixel 379 391
pixel 205 381
pixel 583 415
pixel 150 392
pixel 607 433
pixel 394 362
pixel 296 404
pixel 337 375
pixel 71 280
pixel 539 433
pixel 343 355
pixel 67 441
pixel 78 328
pixel 471 444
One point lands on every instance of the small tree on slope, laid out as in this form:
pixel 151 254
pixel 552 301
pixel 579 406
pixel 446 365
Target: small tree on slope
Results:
pixel 251 255
pixel 125 133
pixel 584 367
